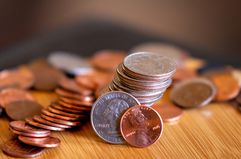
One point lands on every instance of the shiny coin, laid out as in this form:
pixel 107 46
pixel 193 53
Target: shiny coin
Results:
pixel 141 126
pixel 59 112
pixel 27 134
pixel 76 107
pixel 38 119
pixel 76 102
pixel 193 93
pixel 66 109
pixel 23 126
pixel 15 148
pixel 49 141
pixel 106 114
pixel 87 82
pixel 168 112
pixel 60 121
pixel 10 95
pixel 53 115
pixel 20 110
pixel 43 126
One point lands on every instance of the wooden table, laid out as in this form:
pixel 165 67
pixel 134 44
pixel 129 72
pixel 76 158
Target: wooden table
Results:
pixel 213 131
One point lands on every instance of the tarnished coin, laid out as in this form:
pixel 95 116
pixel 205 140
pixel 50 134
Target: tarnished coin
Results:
pixel 227 86
pixel 23 126
pixel 107 59
pixel 49 141
pixel 168 112
pixel 27 134
pixel 41 120
pixel 193 93
pixel 19 110
pixel 10 95
pixel 15 148
pixel 106 114
pixel 141 126
pixel 149 64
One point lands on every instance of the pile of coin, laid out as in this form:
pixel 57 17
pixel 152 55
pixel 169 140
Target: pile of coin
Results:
pixel 144 75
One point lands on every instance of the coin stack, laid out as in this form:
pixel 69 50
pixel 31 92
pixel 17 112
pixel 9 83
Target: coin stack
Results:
pixel 144 75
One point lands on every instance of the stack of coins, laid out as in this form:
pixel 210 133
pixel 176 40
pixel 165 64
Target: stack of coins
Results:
pixel 144 75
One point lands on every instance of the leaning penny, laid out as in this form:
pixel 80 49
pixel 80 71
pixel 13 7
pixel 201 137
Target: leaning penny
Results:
pixel 19 110
pixel 27 134
pixel 56 111
pixel 49 141
pixel 141 126
pixel 60 121
pixel 75 102
pixel 76 107
pixel 227 87
pixel 41 120
pixel 168 112
pixel 66 109
pixel 193 93
pixel 43 126
pixel 53 115
pixel 87 82
pixel 23 126
pixel 10 95
pixel 15 148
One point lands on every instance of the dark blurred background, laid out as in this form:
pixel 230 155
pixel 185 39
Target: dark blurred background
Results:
pixel 212 25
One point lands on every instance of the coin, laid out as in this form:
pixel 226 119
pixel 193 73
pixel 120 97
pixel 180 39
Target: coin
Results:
pixel 15 148
pixel 23 126
pixel 227 87
pixel 49 141
pixel 43 126
pixel 60 121
pixel 1 111
pixel 53 115
pixel 238 98
pixel 75 107
pixel 193 93
pixel 10 95
pixel 19 110
pixel 168 112
pixel 106 114
pixel 237 75
pixel 63 113
pixel 141 126
pixel 107 59
pixel 27 134
pixel 87 82
pixel 76 102
pixel 38 119
pixel 183 74
pixel 66 109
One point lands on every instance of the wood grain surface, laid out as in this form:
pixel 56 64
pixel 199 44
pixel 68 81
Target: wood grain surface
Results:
pixel 213 131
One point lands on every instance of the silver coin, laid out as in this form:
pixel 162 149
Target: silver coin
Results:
pixel 69 62
pixel 149 64
pixel 106 113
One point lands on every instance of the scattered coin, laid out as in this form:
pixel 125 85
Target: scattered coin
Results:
pixel 67 109
pixel 15 148
pixel 193 93
pixel 53 115
pixel 87 82
pixel 76 102
pixel 41 120
pixel 19 110
pixel 237 75
pixel 10 95
pixel 1 111
pixel 49 141
pixel 168 112
pixel 60 121
pixel 106 114
pixel 23 133
pixel 141 126
pixel 238 98
pixel 183 74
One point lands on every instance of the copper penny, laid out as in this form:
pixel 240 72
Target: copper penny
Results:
pixel 87 82
pixel 66 109
pixel 49 141
pixel 59 112
pixel 107 59
pixel 193 93
pixel 71 95
pixel 227 87
pixel 71 85
pixel 184 73
pixel 53 115
pixel 238 98
pixel 15 148
pixel 76 102
pixel 141 126
pixel 43 126
pixel 168 112
pixel 27 134
pixel 76 107
pixel 41 120
pixel 60 121
pixel 23 126
pixel 10 95
pixel 19 110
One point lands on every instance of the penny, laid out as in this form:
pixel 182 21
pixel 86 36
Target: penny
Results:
pixel 107 59
pixel 87 82
pixel 10 95
pixel 72 85
pixel 193 93
pixel 168 112
pixel 66 109
pixel 1 111
pixel 19 110
pixel 15 148
pixel 75 107
pixel 141 126
pixel 76 102
pixel 106 114
pixel 38 119
pixel 56 111
pixel 227 87
pixel 183 74
pixel 48 142
pixel 238 98
pixel 43 126
pixel 60 121
pixel 24 127
pixel 27 134
pixel 236 73
pixel 53 115
pixel 68 94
